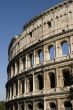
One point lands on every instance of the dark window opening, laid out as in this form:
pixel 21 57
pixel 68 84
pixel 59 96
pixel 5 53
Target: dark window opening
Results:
pixel 31 59
pixel 22 86
pixel 53 106
pixel 67 77
pixel 31 84
pixel 15 107
pixel 30 34
pixel 40 105
pixel 16 87
pixel 49 24
pixel 12 90
pixel 17 67
pixel 24 63
pixel 68 105
pixel 52 80
pixel 13 70
pixel 30 107
pixel 40 81
pixel 22 106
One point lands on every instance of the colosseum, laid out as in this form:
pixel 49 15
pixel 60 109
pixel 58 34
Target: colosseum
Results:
pixel 40 65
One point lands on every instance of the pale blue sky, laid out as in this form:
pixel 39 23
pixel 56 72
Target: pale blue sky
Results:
pixel 13 15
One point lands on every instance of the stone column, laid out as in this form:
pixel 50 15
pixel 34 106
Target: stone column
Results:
pixel 33 84
pixel 46 53
pixel 25 85
pixel 71 45
pixel 58 104
pixel 34 105
pixel 20 65
pixel 56 50
pixel 14 89
pixel 11 71
pixel 45 105
pixel 18 88
pixel 57 79
pixel 26 62
pixel 34 57
pixel 16 68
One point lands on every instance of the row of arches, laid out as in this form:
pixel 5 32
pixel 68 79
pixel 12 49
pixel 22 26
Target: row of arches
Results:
pixel 32 59
pixel 64 49
pixel 35 82
pixel 40 106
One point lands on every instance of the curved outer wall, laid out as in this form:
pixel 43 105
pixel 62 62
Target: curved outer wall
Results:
pixel 40 65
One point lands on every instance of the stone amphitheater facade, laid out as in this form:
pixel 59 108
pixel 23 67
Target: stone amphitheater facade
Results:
pixel 40 65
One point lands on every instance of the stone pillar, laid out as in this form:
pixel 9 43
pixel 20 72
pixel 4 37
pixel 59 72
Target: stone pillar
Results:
pixel 60 78
pixel 46 53
pixel 10 93
pixel 57 79
pixel 34 108
pixel 14 89
pixel 16 68
pixel 11 71
pixel 18 88
pixel 58 104
pixel 25 85
pixel 20 65
pixel 56 50
pixel 34 57
pixel 33 83
pixel 71 44
pixel 26 62
pixel 25 106
pixel 45 105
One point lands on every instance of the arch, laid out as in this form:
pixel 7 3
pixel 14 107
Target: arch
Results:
pixel 67 105
pixel 40 55
pixel 15 106
pixel 66 77
pixel 40 105
pixel 52 80
pixel 31 59
pixel 51 52
pixel 40 81
pixel 30 106
pixel 22 106
pixel 53 106
pixel 65 48
pixel 31 84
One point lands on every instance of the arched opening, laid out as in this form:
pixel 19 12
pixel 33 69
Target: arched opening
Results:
pixel 24 62
pixel 30 84
pixel 51 52
pixel 52 80
pixel 53 106
pixel 40 81
pixel 31 59
pixel 67 105
pixel 40 55
pixel 40 105
pixel 65 48
pixel 15 107
pixel 66 77
pixel 21 106
pixel 30 106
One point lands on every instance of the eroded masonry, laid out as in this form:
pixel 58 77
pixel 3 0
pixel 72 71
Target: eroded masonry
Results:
pixel 40 69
